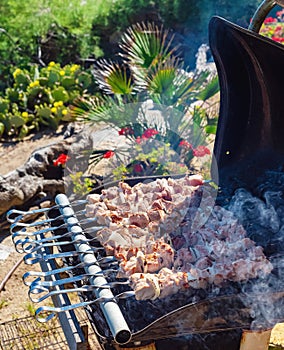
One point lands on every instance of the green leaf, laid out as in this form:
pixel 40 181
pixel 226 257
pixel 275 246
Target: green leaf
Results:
pixel 145 45
pixel 53 78
pixel 112 79
pixel 36 73
pixel 68 82
pixel 22 79
pixel 211 129
pixel 12 95
pixel 43 81
pixel 4 105
pixel 23 132
pixel 161 81
pixel 44 112
pixel 211 88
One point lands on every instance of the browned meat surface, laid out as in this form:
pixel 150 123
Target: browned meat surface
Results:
pixel 151 229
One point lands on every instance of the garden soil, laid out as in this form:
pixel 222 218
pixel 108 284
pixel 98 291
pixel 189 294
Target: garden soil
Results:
pixel 14 301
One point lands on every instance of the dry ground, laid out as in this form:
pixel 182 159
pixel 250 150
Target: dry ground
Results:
pixel 14 300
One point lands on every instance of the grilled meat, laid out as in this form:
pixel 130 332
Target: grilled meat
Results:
pixel 137 219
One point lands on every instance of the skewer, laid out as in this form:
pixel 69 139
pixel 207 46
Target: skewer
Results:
pixel 39 274
pixel 29 245
pixel 51 311
pixel 46 293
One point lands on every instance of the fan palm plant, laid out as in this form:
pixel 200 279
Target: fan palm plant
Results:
pixel 151 72
pixel 151 69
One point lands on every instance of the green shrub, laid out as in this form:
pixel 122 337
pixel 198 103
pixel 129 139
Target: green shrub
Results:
pixel 40 97
pixel 75 31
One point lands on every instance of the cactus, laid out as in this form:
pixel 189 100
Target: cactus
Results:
pixel 17 121
pixel 12 95
pixel 22 79
pixel 40 97
pixel 53 78
pixel 84 80
pixel 43 81
pixel 68 82
pixel 23 132
pixel 60 94
pixel 43 112
pixel 4 105
pixel 2 129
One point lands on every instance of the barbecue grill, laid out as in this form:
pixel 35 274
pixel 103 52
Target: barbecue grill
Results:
pixel 249 152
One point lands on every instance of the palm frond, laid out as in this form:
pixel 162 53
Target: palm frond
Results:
pixel 144 46
pixel 105 109
pixel 187 86
pixel 210 89
pixel 161 81
pixel 113 78
pixel 92 110
pixel 170 84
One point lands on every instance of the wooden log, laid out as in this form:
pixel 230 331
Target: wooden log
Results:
pixel 255 340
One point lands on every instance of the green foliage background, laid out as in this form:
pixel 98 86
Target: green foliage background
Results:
pixel 78 31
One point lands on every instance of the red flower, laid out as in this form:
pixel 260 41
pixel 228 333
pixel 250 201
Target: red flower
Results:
pixel 138 168
pixel 108 154
pixel 280 13
pixel 149 133
pixel 200 151
pixel 61 159
pixel 185 144
pixel 269 20
pixel 279 40
pixel 138 140
pixel 126 131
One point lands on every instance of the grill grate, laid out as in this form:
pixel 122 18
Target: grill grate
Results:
pixel 26 333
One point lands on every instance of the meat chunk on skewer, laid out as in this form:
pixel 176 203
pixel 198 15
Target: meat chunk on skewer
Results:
pixel 153 286
pixel 137 218
pixel 149 259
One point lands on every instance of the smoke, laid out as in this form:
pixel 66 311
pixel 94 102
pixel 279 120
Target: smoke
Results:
pixel 171 127
pixel 262 217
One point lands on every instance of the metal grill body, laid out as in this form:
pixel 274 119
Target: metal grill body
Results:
pixel 116 316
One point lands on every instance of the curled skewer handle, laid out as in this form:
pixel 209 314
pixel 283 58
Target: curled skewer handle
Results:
pixel 22 214
pixel 46 313
pixel 78 202
pixel 20 243
pixel 46 293
pixel 50 284
pixel 22 232
pixel 32 274
pixel 30 278
pixel 33 258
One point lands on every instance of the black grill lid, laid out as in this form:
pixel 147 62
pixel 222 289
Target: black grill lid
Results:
pixel 250 132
